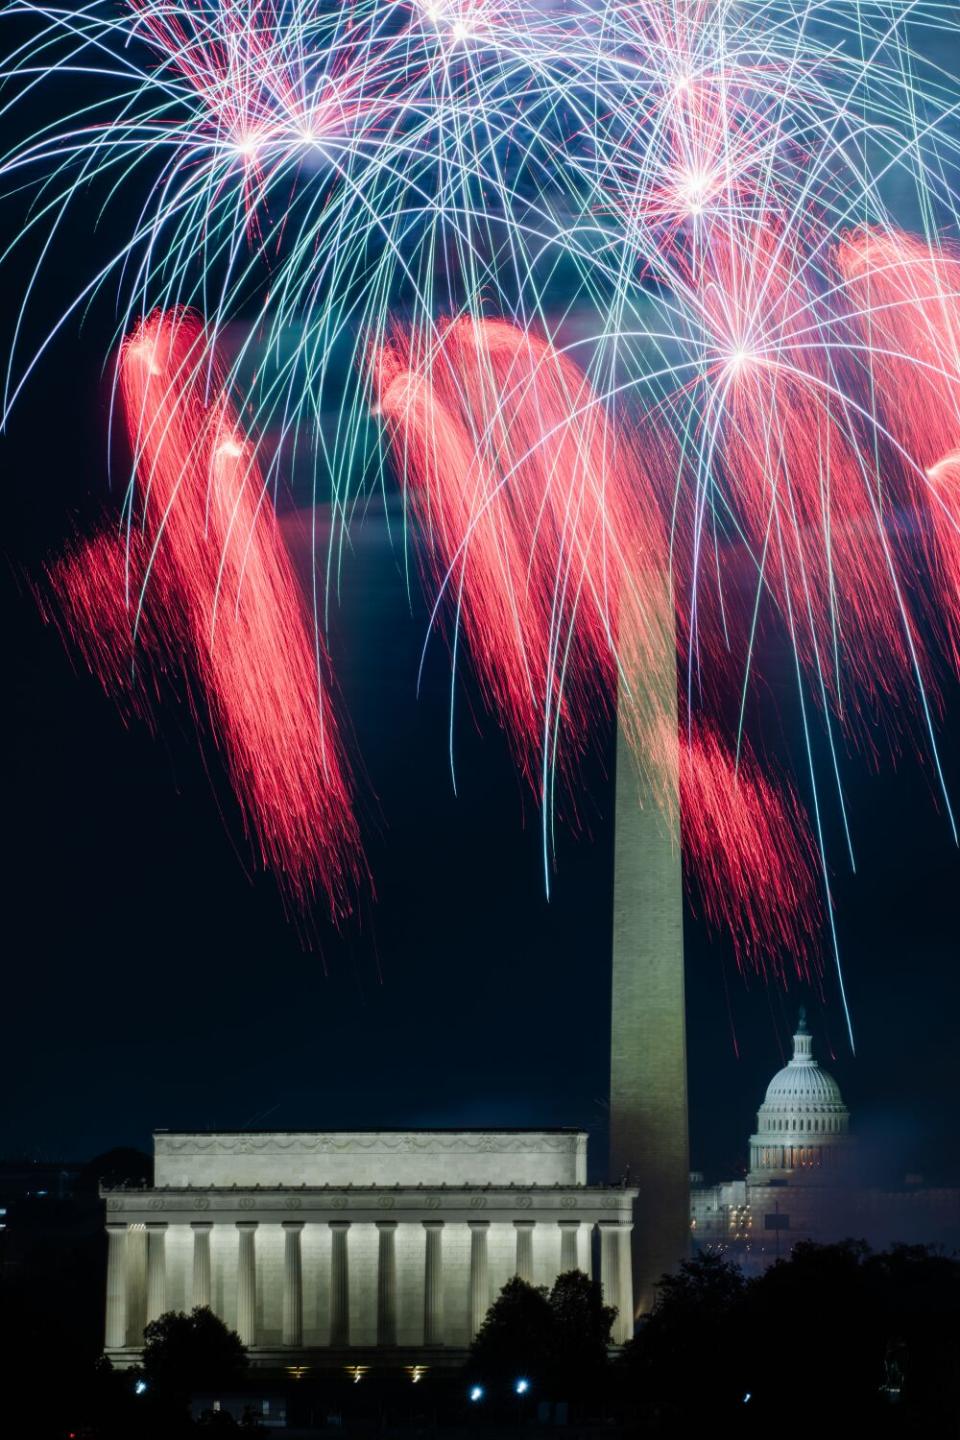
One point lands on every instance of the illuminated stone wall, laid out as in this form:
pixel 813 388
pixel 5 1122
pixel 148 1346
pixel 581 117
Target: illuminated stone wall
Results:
pixel 357 1248
pixel 372 1158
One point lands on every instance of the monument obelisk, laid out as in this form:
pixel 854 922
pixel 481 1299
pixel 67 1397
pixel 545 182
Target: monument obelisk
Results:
pixel 648 1055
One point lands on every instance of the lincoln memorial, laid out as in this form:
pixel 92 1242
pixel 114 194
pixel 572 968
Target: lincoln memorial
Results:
pixel 348 1248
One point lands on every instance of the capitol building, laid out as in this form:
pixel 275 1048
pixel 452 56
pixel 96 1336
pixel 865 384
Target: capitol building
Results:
pixel 352 1249
pixel 804 1181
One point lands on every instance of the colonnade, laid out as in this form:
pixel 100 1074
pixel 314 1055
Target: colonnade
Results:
pixel 615 1259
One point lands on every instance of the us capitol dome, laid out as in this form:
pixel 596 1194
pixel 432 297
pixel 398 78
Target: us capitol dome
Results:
pixel 802 1182
pixel 803 1126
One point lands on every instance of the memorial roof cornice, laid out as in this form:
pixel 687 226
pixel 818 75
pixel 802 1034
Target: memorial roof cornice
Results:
pixel 400 1201
pixel 398 1130
pixel 517 1187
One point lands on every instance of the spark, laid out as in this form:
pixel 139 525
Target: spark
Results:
pixel 705 199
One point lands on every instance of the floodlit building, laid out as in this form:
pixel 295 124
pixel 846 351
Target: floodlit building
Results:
pixel 804 1183
pixel 359 1248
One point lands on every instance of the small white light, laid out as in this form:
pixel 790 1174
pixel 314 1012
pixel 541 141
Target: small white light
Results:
pixel 140 1387
pixel 747 1396
pixel 522 1386
pixel 476 1392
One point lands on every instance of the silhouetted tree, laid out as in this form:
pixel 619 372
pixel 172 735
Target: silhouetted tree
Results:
pixel 121 1166
pixel 884 1323
pixel 579 1336
pixel 515 1336
pixel 557 1339
pixel 185 1353
pixel 865 1342
pixel 686 1352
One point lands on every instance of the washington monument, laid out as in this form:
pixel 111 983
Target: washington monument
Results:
pixel 649 1140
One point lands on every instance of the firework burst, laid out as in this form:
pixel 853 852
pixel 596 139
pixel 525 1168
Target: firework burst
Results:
pixel 629 290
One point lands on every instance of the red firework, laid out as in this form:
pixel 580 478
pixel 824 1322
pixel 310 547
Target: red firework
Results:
pixel 216 594
pixel 801 482
pixel 95 613
pixel 544 524
pixel 906 294
pixel 748 849
pixel 537 526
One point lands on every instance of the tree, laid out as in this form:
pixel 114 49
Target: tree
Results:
pixel 920 1312
pixel 515 1336
pixel 185 1353
pixel 691 1331
pixel 870 1341
pixel 580 1336
pixel 557 1339
pixel 113 1168
pixel 858 1325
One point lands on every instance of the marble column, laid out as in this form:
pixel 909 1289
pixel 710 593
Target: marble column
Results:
pixel 201 1293
pixel 623 1327
pixel 610 1269
pixel 585 1247
pixel 136 1283
pixel 339 1283
pixel 247 1282
pixel 115 1333
pixel 569 1233
pixel 524 1229
pixel 479 1298
pixel 433 1284
pixel 156 1269
pixel 386 1282
pixel 292 1283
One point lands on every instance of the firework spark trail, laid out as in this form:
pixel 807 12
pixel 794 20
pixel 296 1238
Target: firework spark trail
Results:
pixel 323 169
pixel 545 526
pixel 535 523
pixel 748 851
pixel 907 297
pixel 222 556
pixel 461 510
pixel 805 490
pixel 88 597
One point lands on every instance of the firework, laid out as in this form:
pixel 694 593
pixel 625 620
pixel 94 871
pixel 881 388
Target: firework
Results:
pixel 540 523
pixel 88 598
pixel 544 528
pixel 206 588
pixel 748 851
pixel 733 407
pixel 802 479
pixel 907 298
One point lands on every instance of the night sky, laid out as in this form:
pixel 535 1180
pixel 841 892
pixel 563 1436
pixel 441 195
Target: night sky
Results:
pixel 153 981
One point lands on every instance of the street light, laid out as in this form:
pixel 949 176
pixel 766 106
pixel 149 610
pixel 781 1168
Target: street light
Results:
pixel 522 1386
pixel 475 1393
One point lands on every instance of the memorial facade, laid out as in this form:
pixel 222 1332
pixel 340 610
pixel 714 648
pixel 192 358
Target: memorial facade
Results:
pixel 358 1248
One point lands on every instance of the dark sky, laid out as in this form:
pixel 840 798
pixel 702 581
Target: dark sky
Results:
pixel 151 983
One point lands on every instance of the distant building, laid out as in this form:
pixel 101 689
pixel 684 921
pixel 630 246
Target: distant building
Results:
pixel 34 1195
pixel 803 1182
pixel 357 1249
pixel 37 1180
